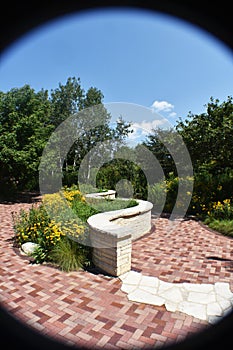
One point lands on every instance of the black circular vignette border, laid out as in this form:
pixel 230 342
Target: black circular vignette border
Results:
pixel 16 19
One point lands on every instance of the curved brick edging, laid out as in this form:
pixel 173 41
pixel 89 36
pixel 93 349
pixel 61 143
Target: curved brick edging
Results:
pixel 112 233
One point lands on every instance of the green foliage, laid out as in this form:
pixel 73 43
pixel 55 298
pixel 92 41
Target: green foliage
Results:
pixel 221 210
pixel 28 119
pixel 208 136
pixel 88 188
pixel 103 205
pixel 69 255
pixel 36 226
pixel 165 193
pixel 157 195
pixel 159 142
pixel 40 255
pixel 49 223
pixel 223 226
pixel 94 206
pixel 83 210
pixel 24 131
pixel 116 170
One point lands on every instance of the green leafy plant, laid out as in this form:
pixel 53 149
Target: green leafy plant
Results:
pixel 37 226
pixel 221 210
pixel 69 255
pixel 223 226
pixel 40 255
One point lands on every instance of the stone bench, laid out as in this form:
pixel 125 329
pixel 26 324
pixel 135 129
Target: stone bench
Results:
pixel 112 233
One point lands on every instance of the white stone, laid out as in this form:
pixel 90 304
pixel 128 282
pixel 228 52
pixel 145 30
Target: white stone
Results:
pixel 123 276
pixel 128 288
pixel 223 289
pixel 193 309
pixel 202 298
pixel 203 288
pixel 164 286
pixel 225 304
pixel 213 309
pixel 145 297
pixel 29 247
pixel 173 294
pixel 149 281
pixel 170 306
pixel 133 277
pixel 152 290
pixel 204 301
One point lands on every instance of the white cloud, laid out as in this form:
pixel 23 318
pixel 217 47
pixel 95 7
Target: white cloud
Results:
pixel 164 106
pixel 142 129
pixel 146 127
pixel 172 114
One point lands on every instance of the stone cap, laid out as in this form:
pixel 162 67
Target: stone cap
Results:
pixel 104 222
pixel 101 194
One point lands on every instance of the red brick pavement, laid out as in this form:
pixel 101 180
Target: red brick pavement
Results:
pixel 84 309
pixel 188 252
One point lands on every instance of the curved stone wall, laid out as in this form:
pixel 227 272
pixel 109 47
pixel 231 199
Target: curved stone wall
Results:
pixel 136 220
pixel 112 233
pixel 110 194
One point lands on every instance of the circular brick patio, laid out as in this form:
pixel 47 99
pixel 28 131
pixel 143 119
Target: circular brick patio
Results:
pixel 84 309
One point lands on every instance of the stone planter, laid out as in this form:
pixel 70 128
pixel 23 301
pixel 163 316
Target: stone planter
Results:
pixel 112 233
pixel 111 194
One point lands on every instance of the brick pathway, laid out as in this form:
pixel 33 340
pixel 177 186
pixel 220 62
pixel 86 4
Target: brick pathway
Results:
pixel 90 310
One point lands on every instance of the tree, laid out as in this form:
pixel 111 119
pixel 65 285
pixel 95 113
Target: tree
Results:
pixel 66 100
pixel 29 119
pixel 166 147
pixel 24 130
pixel 208 136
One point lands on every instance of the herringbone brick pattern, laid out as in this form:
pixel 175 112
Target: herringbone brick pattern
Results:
pixel 187 253
pixel 84 309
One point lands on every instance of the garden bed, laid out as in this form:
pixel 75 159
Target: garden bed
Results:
pixel 56 230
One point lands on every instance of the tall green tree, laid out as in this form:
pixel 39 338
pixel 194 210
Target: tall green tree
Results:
pixel 66 100
pixel 24 129
pixel 28 119
pixel 162 143
pixel 208 136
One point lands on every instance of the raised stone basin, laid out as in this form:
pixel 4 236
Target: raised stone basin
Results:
pixel 112 233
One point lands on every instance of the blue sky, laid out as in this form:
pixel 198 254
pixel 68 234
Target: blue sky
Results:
pixel 132 56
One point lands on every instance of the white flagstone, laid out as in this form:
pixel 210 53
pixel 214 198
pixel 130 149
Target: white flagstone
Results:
pixel 207 302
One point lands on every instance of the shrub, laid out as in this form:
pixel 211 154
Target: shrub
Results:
pixel 102 205
pixel 223 226
pixel 69 255
pixel 88 188
pixel 48 223
pixel 72 193
pixel 221 210
pixel 83 210
pixel 35 226
pixel 157 195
